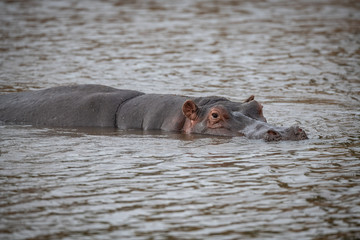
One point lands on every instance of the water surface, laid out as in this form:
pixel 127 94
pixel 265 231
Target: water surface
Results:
pixel 299 58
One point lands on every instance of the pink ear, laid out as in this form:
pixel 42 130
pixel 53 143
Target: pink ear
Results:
pixel 189 109
pixel 252 97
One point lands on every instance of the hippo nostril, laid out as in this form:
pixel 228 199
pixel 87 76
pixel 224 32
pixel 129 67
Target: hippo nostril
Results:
pixel 295 129
pixel 299 133
pixel 272 135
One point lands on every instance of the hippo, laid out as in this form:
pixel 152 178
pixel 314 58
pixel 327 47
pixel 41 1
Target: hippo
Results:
pixel 93 105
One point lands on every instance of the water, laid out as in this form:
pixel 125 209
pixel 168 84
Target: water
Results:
pixel 301 61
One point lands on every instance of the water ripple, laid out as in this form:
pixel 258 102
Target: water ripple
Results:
pixel 301 60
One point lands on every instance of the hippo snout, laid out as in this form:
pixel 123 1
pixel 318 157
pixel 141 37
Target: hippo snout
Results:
pixel 298 133
pixel 272 135
pixel 293 133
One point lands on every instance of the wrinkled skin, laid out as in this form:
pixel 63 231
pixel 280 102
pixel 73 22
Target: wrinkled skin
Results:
pixel 101 106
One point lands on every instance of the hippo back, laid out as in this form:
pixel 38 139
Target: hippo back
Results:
pixel 70 106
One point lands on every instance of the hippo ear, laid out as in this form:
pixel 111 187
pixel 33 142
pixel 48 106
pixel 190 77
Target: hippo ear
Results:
pixel 252 97
pixel 190 109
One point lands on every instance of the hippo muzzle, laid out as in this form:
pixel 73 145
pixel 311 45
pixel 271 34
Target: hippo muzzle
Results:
pixel 293 133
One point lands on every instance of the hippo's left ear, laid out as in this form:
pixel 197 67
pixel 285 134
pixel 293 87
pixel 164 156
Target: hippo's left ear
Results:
pixel 252 97
pixel 190 109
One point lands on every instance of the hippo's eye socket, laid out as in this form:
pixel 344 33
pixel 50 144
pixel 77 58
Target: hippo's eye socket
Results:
pixel 215 115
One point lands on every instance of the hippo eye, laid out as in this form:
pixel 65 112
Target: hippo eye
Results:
pixel 215 115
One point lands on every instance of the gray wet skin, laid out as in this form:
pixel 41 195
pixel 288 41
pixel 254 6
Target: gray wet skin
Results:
pixel 101 106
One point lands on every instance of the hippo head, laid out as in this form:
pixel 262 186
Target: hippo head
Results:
pixel 219 116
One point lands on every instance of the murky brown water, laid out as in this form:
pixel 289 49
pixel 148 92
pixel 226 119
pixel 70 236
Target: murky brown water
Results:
pixel 300 58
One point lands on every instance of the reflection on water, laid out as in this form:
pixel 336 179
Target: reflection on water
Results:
pixel 301 60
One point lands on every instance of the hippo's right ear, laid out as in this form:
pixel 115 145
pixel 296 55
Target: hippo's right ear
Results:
pixel 190 109
pixel 252 97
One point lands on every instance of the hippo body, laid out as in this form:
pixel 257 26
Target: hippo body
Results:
pixel 101 106
pixel 68 106
pixel 152 111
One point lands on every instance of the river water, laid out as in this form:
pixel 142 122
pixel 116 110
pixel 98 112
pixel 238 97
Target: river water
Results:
pixel 301 59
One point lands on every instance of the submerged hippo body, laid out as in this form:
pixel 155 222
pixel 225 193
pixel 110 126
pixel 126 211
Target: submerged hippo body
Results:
pixel 101 106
